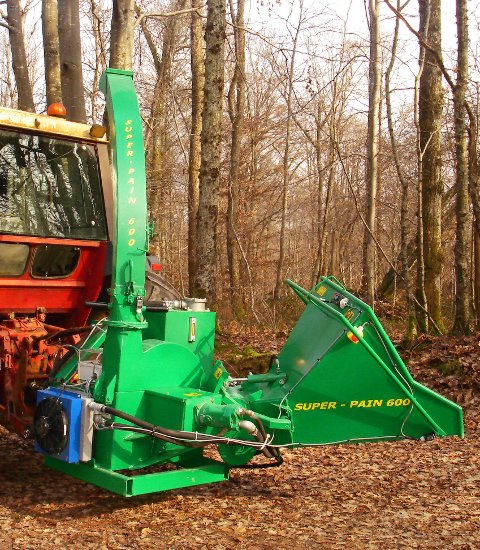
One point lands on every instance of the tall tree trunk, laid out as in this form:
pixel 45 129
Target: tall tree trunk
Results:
pixel 385 288
pixel 156 158
pixel 421 310
pixel 97 26
pixel 236 108
pixel 372 152
pixel 411 328
pixel 462 296
pixel 318 268
pixel 205 281
pixel 286 160
pixel 334 267
pixel 51 51
pixel 71 60
pixel 16 32
pixel 121 34
pixel 197 63
pixel 476 277
pixel 474 189
pixel 430 107
pixel 323 264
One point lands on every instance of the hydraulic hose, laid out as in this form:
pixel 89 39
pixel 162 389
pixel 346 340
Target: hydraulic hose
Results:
pixel 274 453
pixel 157 435
pixel 152 427
pixel 172 436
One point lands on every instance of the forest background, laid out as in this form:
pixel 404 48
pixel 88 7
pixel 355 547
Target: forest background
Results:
pixel 293 139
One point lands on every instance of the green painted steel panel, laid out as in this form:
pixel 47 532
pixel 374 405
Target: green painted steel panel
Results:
pixel 173 326
pixel 206 472
pixel 336 390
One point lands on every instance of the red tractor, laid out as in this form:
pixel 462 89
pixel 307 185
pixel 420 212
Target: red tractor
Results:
pixel 55 201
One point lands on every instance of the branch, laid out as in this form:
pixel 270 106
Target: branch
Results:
pixel 143 16
pixel 6 26
pixel 379 246
pixel 436 54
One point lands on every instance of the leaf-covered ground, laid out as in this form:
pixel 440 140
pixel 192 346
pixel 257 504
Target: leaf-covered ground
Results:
pixel 392 495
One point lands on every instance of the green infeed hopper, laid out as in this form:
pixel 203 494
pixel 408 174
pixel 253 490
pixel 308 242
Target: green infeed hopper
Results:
pixel 339 379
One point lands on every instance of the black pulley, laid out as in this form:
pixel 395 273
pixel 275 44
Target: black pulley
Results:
pixel 50 426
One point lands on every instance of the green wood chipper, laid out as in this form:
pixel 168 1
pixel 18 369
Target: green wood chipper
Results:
pixel 133 407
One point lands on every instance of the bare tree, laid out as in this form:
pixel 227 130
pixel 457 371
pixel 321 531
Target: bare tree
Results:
pixel 374 80
pixel 16 32
pixel 51 51
pixel 205 280
pixel 197 61
pixel 462 295
pixel 430 106
pixel 236 108
pixel 121 35
pixel 99 60
pixel 473 182
pixel 404 182
pixel 286 157
pixel 71 60
pixel 158 121
pixel 422 316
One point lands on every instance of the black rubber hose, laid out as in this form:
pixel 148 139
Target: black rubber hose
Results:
pixel 157 431
pixel 200 444
pixel 158 435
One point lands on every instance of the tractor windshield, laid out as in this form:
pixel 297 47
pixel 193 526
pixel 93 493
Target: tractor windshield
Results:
pixel 50 188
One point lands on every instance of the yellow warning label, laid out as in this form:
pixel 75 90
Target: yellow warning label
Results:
pixel 218 373
pixel 321 290
pixel 349 314
pixel 192 394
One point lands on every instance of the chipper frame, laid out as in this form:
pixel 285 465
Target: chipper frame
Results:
pixel 134 407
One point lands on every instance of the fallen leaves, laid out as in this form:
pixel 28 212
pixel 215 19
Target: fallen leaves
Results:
pixel 385 495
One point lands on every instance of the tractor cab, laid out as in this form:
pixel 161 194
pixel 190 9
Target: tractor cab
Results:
pixel 55 193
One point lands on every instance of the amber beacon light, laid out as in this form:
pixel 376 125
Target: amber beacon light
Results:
pixel 57 109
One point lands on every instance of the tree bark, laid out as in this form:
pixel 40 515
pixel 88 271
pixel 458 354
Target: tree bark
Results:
pixel 97 26
pixel 462 296
pixel 236 108
pixel 385 288
pixel 372 152
pixel 121 34
pixel 16 32
pixel 51 51
pixel 476 277
pixel 430 107
pixel 197 63
pixel 205 280
pixel 71 60
pixel 318 268
pixel 474 189
pixel 411 328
